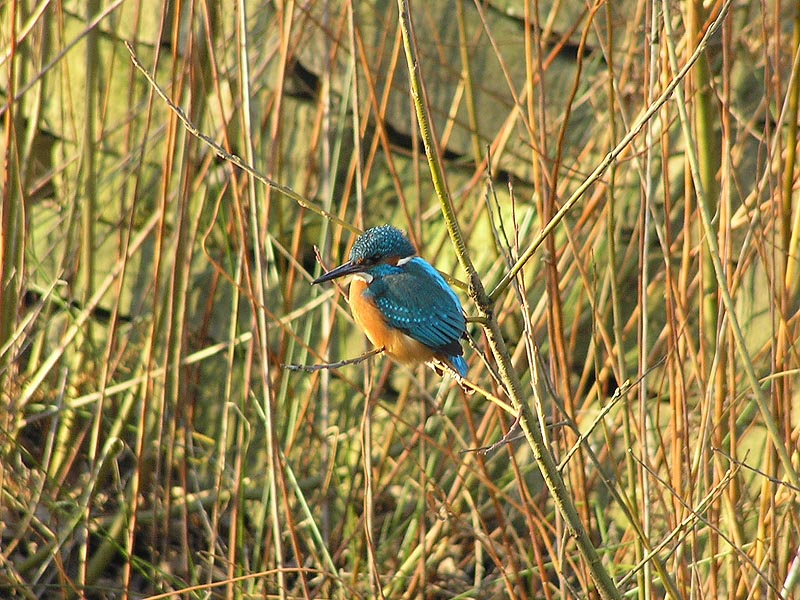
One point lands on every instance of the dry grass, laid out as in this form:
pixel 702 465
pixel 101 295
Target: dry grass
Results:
pixel 152 441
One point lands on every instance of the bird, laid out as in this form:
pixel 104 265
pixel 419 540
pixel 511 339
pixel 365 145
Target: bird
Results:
pixel 401 302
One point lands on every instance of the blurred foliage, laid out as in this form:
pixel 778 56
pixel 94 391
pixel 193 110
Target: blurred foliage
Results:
pixel 153 439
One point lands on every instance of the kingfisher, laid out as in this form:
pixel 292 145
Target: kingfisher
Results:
pixel 401 302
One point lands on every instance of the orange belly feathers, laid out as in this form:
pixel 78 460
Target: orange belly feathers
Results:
pixel 395 343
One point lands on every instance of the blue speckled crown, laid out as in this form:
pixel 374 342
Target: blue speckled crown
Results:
pixel 381 242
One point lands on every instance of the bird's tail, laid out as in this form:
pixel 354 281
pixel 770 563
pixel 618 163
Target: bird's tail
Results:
pixel 459 365
pixel 456 366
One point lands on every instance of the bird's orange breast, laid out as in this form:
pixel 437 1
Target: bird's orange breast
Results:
pixel 396 344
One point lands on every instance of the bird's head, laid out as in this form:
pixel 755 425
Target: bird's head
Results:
pixel 375 248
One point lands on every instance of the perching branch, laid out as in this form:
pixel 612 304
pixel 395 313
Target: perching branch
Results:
pixel 484 304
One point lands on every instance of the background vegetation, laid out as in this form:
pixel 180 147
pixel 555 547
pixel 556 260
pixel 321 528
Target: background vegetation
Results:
pixel 152 440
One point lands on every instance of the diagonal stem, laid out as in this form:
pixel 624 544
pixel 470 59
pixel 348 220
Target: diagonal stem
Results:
pixel 484 304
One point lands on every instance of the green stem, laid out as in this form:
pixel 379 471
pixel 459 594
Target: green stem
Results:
pixel 790 232
pixel 484 303
pixel 708 156
pixel 431 150
pixel 12 242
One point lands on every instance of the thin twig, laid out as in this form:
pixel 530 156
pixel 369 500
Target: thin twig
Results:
pixel 232 158
pixel 334 365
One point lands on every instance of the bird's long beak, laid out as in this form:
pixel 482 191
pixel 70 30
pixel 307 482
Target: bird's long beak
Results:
pixel 348 268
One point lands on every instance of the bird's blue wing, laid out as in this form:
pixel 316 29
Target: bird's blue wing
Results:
pixel 417 301
pixel 422 265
